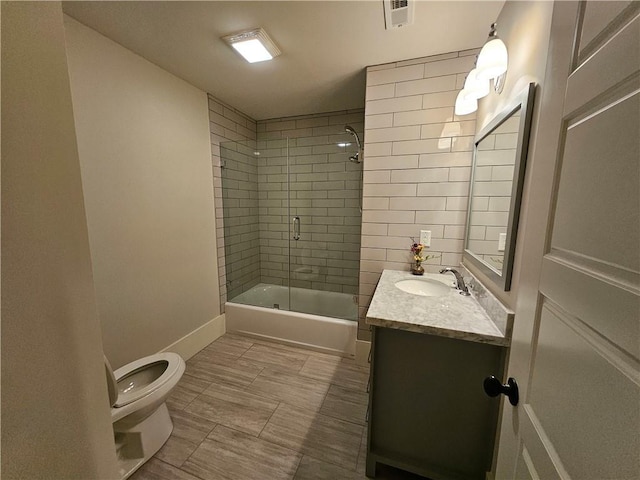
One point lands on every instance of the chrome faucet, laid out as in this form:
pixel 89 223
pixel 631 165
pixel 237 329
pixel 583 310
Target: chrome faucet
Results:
pixel 460 285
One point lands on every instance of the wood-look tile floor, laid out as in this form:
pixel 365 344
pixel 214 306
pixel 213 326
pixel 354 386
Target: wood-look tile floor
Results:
pixel 250 409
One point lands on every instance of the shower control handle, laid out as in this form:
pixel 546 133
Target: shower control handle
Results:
pixel 296 228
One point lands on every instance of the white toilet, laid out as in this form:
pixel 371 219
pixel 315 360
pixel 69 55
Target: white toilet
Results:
pixel 137 393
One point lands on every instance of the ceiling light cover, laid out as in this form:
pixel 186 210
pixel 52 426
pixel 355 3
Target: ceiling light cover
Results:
pixel 493 59
pixel 474 87
pixel 465 104
pixel 254 45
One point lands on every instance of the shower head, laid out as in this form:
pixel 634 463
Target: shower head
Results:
pixel 354 158
pixel 350 130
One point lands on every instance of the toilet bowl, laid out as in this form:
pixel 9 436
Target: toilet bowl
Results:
pixel 137 393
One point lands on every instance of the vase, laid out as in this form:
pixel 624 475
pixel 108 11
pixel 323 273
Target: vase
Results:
pixel 417 269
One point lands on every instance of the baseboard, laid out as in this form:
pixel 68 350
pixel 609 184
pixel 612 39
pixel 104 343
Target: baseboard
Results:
pixel 362 352
pixel 202 336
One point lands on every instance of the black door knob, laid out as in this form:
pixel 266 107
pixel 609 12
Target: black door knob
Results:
pixel 494 387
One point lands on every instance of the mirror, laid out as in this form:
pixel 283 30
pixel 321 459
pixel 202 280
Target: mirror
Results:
pixel 495 191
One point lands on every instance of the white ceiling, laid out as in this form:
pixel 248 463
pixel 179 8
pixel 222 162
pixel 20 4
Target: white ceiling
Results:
pixel 325 45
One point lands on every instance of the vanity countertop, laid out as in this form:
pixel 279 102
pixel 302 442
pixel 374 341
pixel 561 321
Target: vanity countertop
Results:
pixel 451 315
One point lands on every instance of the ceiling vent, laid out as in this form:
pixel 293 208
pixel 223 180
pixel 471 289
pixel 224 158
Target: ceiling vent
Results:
pixel 398 13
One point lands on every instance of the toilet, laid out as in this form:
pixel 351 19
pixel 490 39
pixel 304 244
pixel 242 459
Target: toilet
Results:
pixel 137 394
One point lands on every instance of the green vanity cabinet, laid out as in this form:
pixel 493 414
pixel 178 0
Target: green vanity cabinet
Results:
pixel 428 412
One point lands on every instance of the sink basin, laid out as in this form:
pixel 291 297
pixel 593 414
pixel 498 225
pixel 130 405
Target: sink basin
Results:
pixel 423 287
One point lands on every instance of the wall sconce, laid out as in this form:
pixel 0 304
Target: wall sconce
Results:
pixel 492 62
pixel 493 59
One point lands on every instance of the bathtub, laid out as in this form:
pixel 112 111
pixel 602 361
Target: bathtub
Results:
pixel 263 311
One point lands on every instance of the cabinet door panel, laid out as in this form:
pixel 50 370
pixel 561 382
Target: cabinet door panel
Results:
pixel 428 406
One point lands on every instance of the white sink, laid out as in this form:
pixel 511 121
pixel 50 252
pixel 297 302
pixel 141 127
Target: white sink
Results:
pixel 423 287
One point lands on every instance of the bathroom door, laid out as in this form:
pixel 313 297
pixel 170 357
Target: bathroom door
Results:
pixel 576 346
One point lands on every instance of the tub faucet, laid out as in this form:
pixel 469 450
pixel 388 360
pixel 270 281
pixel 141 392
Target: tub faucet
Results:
pixel 460 285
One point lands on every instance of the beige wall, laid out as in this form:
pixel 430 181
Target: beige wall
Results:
pixel 55 412
pixel 145 155
pixel 525 29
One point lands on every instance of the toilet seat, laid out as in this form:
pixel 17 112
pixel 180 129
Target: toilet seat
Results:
pixel 172 367
pixel 126 403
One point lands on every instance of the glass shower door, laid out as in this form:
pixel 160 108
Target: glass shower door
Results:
pixel 241 223
pixel 273 197
pixel 256 222
pixel 325 220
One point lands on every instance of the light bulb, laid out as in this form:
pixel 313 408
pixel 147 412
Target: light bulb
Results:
pixel 465 105
pixel 493 60
pixel 474 87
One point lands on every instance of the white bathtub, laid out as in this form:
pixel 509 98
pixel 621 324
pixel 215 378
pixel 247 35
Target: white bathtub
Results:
pixel 310 329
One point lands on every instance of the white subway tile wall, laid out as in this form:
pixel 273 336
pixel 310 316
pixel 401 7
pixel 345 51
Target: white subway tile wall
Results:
pixel 417 166
pixel 324 193
pixel 241 267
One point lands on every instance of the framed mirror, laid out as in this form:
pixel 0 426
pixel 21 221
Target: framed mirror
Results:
pixel 495 192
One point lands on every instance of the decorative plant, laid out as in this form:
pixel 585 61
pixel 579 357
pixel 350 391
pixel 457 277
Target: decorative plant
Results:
pixel 419 257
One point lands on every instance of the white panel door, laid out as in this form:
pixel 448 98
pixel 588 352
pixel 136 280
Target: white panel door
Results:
pixel 576 349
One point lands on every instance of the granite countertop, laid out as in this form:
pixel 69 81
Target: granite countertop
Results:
pixel 451 315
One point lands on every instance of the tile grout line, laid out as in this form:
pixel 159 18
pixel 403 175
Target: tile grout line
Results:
pixel 363 438
pixel 199 444
pixel 267 422
pixel 329 462
pixel 194 399
pixel 298 466
pixel 178 468
pixel 302 453
pixel 324 399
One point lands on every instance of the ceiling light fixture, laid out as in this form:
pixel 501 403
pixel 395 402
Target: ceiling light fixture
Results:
pixel 254 45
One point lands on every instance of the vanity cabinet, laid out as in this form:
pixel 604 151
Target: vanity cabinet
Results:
pixel 428 413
